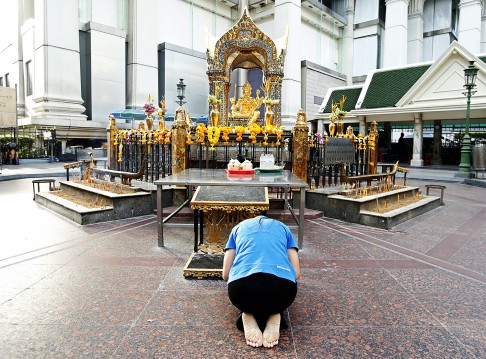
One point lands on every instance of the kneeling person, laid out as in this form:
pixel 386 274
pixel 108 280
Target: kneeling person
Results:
pixel 261 265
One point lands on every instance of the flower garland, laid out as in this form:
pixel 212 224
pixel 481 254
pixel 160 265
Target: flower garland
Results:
pixel 254 130
pixel 189 137
pixel 213 136
pixel 225 130
pixel 200 131
pixel 239 133
pixel 167 138
pixel 279 132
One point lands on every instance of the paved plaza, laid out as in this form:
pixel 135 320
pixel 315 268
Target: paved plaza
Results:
pixel 107 290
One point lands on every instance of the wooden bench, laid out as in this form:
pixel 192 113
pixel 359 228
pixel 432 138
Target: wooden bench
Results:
pixel 51 182
pixel 436 186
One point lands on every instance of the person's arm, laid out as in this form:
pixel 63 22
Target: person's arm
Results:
pixel 294 260
pixel 229 257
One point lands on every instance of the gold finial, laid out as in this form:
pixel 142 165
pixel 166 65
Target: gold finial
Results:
pixel 301 117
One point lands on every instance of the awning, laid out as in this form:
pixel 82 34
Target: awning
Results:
pixel 130 113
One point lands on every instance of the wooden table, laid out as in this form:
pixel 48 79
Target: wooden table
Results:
pixel 218 177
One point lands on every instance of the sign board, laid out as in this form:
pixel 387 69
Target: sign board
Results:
pixel 339 150
pixel 8 107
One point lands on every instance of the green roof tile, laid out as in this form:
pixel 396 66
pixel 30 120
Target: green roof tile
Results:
pixel 351 95
pixel 388 87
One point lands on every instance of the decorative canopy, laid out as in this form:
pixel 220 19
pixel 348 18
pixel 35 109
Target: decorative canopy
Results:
pixel 245 46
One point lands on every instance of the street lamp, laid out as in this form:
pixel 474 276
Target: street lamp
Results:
pixel 470 82
pixel 181 89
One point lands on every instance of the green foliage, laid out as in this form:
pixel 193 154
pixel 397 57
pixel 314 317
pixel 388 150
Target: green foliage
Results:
pixel 25 145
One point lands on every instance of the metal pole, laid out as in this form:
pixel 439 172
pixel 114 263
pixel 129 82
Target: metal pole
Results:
pixel 465 165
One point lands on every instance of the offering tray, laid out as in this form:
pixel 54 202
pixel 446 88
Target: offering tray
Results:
pixel 240 172
pixel 276 169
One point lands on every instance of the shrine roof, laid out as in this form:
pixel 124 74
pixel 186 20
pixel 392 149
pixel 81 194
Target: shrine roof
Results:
pixel 351 94
pixel 387 87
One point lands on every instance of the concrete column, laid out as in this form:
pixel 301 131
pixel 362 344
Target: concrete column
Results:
pixel 17 76
pixel 142 69
pixel 348 40
pixel 418 137
pixel 63 146
pixel 415 31
pixel 396 23
pixel 483 30
pixel 57 83
pixel 288 13
pixel 362 125
pixel 469 33
pixel 437 150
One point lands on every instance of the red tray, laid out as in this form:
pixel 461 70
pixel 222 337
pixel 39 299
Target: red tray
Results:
pixel 240 172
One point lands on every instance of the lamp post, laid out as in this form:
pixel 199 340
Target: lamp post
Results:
pixel 470 82
pixel 181 89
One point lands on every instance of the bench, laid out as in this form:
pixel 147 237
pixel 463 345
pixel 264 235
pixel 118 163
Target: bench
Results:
pixel 436 186
pixel 51 182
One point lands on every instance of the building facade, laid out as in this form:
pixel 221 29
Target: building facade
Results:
pixel 74 62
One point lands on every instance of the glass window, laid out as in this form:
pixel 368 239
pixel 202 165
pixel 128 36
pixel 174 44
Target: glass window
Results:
pixel 1 81
pixel 28 75
pixel 7 80
pixel 338 6
pixel 434 46
pixel 437 15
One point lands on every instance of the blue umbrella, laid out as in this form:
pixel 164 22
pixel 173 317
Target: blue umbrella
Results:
pixel 130 113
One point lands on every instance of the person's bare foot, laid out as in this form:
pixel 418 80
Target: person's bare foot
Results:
pixel 272 331
pixel 253 334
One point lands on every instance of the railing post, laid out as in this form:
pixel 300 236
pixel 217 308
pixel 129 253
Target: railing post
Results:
pixel 373 149
pixel 300 156
pixel 110 137
pixel 179 132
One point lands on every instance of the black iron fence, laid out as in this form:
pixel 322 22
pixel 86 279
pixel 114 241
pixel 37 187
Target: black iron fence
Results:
pixel 158 164
pixel 326 174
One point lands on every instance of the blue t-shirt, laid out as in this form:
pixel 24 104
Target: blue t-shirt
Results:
pixel 261 245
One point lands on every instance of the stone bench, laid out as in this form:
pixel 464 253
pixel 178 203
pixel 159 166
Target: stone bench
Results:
pixel 436 186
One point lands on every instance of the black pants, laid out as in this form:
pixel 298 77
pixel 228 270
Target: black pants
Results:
pixel 262 294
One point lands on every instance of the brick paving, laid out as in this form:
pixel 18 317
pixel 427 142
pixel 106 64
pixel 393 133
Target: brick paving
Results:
pixel 107 290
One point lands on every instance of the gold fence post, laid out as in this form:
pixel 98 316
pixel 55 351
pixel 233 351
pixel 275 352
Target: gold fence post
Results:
pixel 301 146
pixel 179 132
pixel 111 131
pixel 373 149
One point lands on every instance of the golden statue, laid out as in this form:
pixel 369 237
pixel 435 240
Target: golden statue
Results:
pixel 246 106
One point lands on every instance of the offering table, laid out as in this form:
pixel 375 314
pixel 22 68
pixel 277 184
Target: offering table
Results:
pixel 218 177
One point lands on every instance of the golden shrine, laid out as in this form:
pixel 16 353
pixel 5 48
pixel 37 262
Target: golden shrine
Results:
pixel 245 46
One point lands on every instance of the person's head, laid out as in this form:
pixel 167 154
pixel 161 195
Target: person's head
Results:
pixel 402 135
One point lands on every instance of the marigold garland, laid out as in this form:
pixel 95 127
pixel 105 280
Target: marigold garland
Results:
pixel 189 138
pixel 200 130
pixel 239 132
pixel 213 136
pixel 225 136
